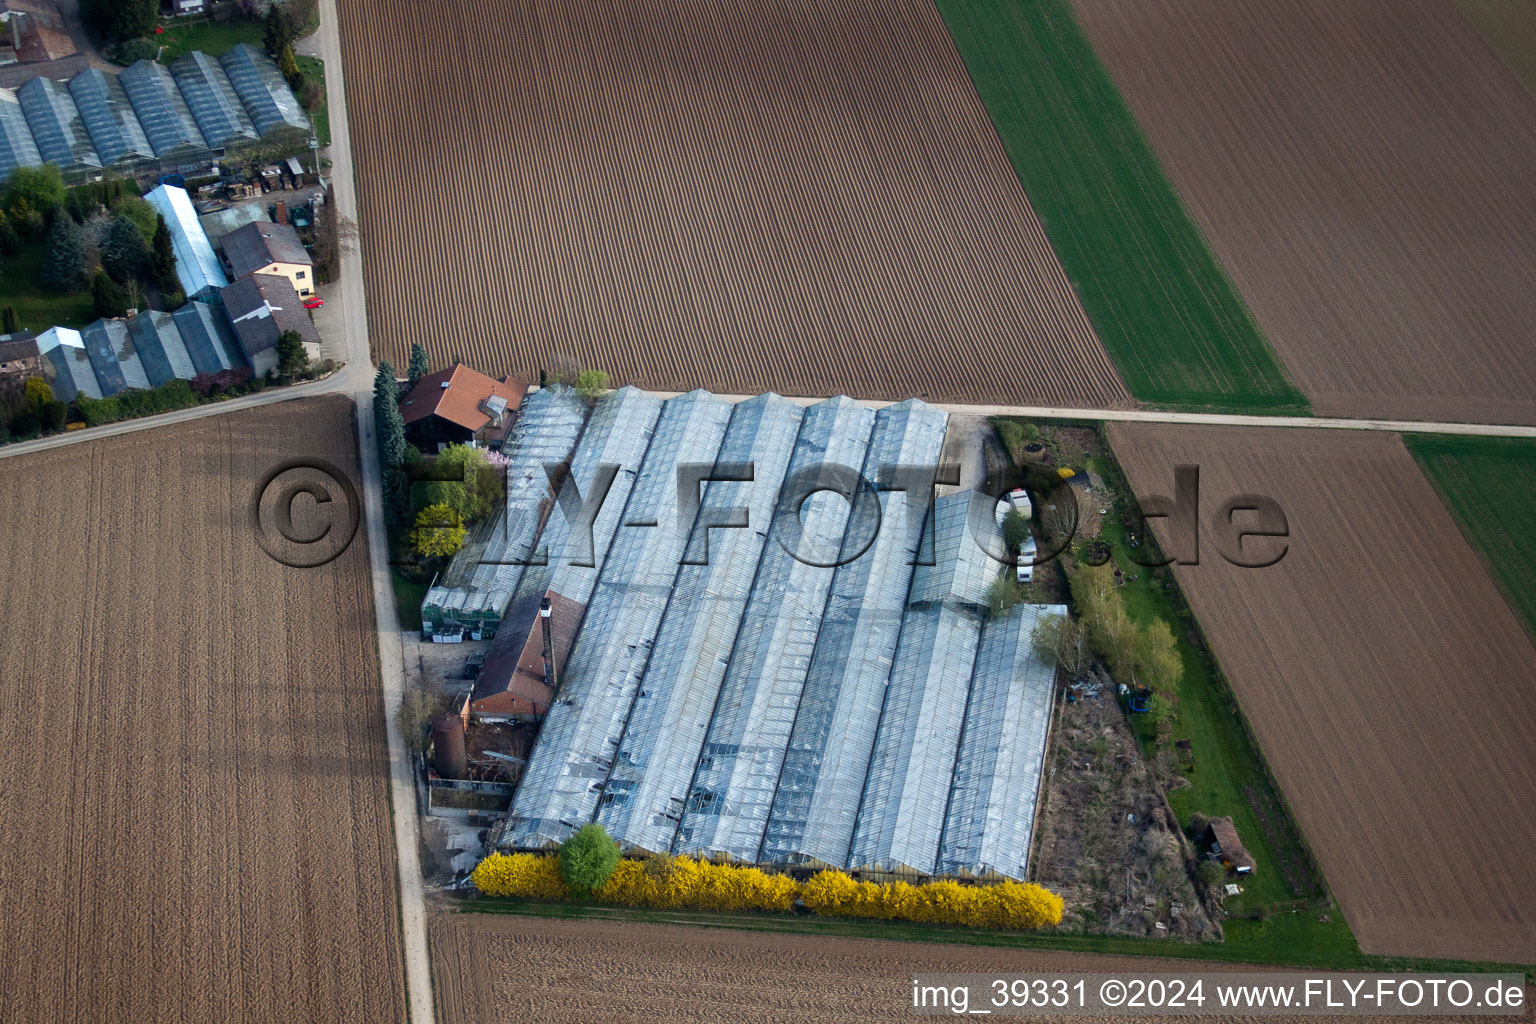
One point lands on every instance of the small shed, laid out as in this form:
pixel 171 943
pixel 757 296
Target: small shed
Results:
pixel 1225 844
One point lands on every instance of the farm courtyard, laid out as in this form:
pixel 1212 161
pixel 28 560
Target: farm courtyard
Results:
pixel 196 826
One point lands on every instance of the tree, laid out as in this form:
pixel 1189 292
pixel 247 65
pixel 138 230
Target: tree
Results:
pixel 143 216
pixel 1157 653
pixel 37 394
pixel 107 296
pixel 1212 873
pixel 418 706
pixel 8 316
pixel 1061 640
pixel 419 365
pixel 33 193
pixel 467 466
pixel 288 64
pixel 591 383
pixel 120 19
pixel 278 36
pixel 162 258
pixel 64 269
pixel 439 532
pixel 124 253
pixel 10 241
pixel 397 498
pixel 387 421
pixel 587 859
pixel 1006 592
pixel 1015 530
pixel 292 360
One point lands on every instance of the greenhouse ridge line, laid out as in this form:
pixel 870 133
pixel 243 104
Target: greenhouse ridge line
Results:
pixel 343 383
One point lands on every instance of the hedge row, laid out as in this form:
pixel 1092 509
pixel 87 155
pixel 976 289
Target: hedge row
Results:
pixel 683 883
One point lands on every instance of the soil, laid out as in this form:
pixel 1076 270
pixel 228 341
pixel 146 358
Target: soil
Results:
pixel 192 751
pixel 1384 677
pixel 1108 844
pixel 1363 170
pixel 770 196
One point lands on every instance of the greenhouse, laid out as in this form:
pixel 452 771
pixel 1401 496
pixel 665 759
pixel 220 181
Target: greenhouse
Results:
pixel 211 97
pixel 262 90
pixel 57 127
pixel 17 147
pixel 109 118
pixel 758 701
pixel 163 112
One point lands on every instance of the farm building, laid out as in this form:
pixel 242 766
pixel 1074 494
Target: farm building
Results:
pixel 262 247
pixel 460 405
pixel 526 658
pixel 197 268
pixel 33 32
pixel 726 690
pixel 143 351
pixel 149 117
pixel 262 308
pixel 1221 833
pixel 20 359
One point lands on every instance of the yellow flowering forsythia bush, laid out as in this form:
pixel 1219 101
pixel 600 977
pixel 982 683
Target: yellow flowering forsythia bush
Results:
pixel 682 883
pixel 1004 905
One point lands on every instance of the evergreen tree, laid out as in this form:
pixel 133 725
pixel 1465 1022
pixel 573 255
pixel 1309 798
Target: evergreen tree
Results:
pixel 162 258
pixel 288 64
pixel 123 252
pixel 278 37
pixel 397 498
pixel 65 268
pixel 291 357
pixel 419 365
pixel 120 19
pixel 107 296
pixel 10 241
pixel 8 320
pixel 388 424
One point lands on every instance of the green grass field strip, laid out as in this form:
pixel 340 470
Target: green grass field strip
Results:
pixel 37 307
pixel 212 37
pixel 1282 947
pixel 1489 485
pixel 408 597
pixel 320 117
pixel 1164 308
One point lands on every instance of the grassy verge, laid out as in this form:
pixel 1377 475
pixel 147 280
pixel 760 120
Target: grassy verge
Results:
pixel 1296 955
pixel 408 597
pixel 1488 483
pixel 39 308
pixel 319 114
pixel 1163 306
pixel 212 37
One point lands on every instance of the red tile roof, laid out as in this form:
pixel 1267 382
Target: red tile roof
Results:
pixel 459 402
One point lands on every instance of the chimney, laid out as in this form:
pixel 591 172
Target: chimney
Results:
pixel 551 674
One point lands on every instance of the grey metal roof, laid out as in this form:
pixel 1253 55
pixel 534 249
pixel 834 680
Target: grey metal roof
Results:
pixel 580 737
pixel 151 347
pixel 643 800
pixel 822 779
pixel 162 111
pixel 989 825
pixel 57 126
pixel 101 348
pixel 207 338
pixel 65 349
pixel 261 308
pixel 197 268
pixel 109 117
pixel 738 768
pixel 261 87
pixel 211 97
pixel 17 147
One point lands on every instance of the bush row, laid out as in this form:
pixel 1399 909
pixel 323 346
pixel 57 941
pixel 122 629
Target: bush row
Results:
pixel 683 883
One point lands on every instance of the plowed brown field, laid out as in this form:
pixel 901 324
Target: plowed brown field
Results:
pixel 1364 169
pixel 194 823
pixel 495 969
pixel 785 195
pixel 1386 679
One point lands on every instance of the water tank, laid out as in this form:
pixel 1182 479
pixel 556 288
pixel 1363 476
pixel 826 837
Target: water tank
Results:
pixel 448 747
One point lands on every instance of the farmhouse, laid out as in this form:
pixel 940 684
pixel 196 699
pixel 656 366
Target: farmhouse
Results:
pixel 262 307
pixel 724 692
pixel 19 359
pixel 1221 833
pixel 262 247
pixel 526 658
pixel 33 32
pixel 459 405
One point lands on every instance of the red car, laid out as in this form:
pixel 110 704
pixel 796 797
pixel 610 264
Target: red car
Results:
pixel 313 302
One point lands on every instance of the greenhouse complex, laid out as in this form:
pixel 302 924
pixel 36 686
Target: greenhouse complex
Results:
pixel 783 686
pixel 151 118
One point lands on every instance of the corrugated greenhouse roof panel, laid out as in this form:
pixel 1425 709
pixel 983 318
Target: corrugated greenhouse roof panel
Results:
pixel 144 329
pixel 738 770
pixel 65 348
pixel 910 772
pixel 643 799
pixel 580 737
pixel 261 87
pixel 109 117
pixel 988 829
pixel 163 113
pixel 17 147
pixel 211 97
pixel 134 374
pixel 56 124
pixel 102 353
pixel 823 776
pixel 197 268
pixel 961 569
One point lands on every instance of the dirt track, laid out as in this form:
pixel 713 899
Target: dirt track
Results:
pixel 1364 171
pixel 192 755
pixel 1385 677
pixel 789 196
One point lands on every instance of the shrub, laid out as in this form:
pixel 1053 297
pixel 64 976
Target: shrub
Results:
pixel 683 883
pixel 587 859
pixel 1212 873
pixel 439 532
pixel 1004 905
pixel 526 875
